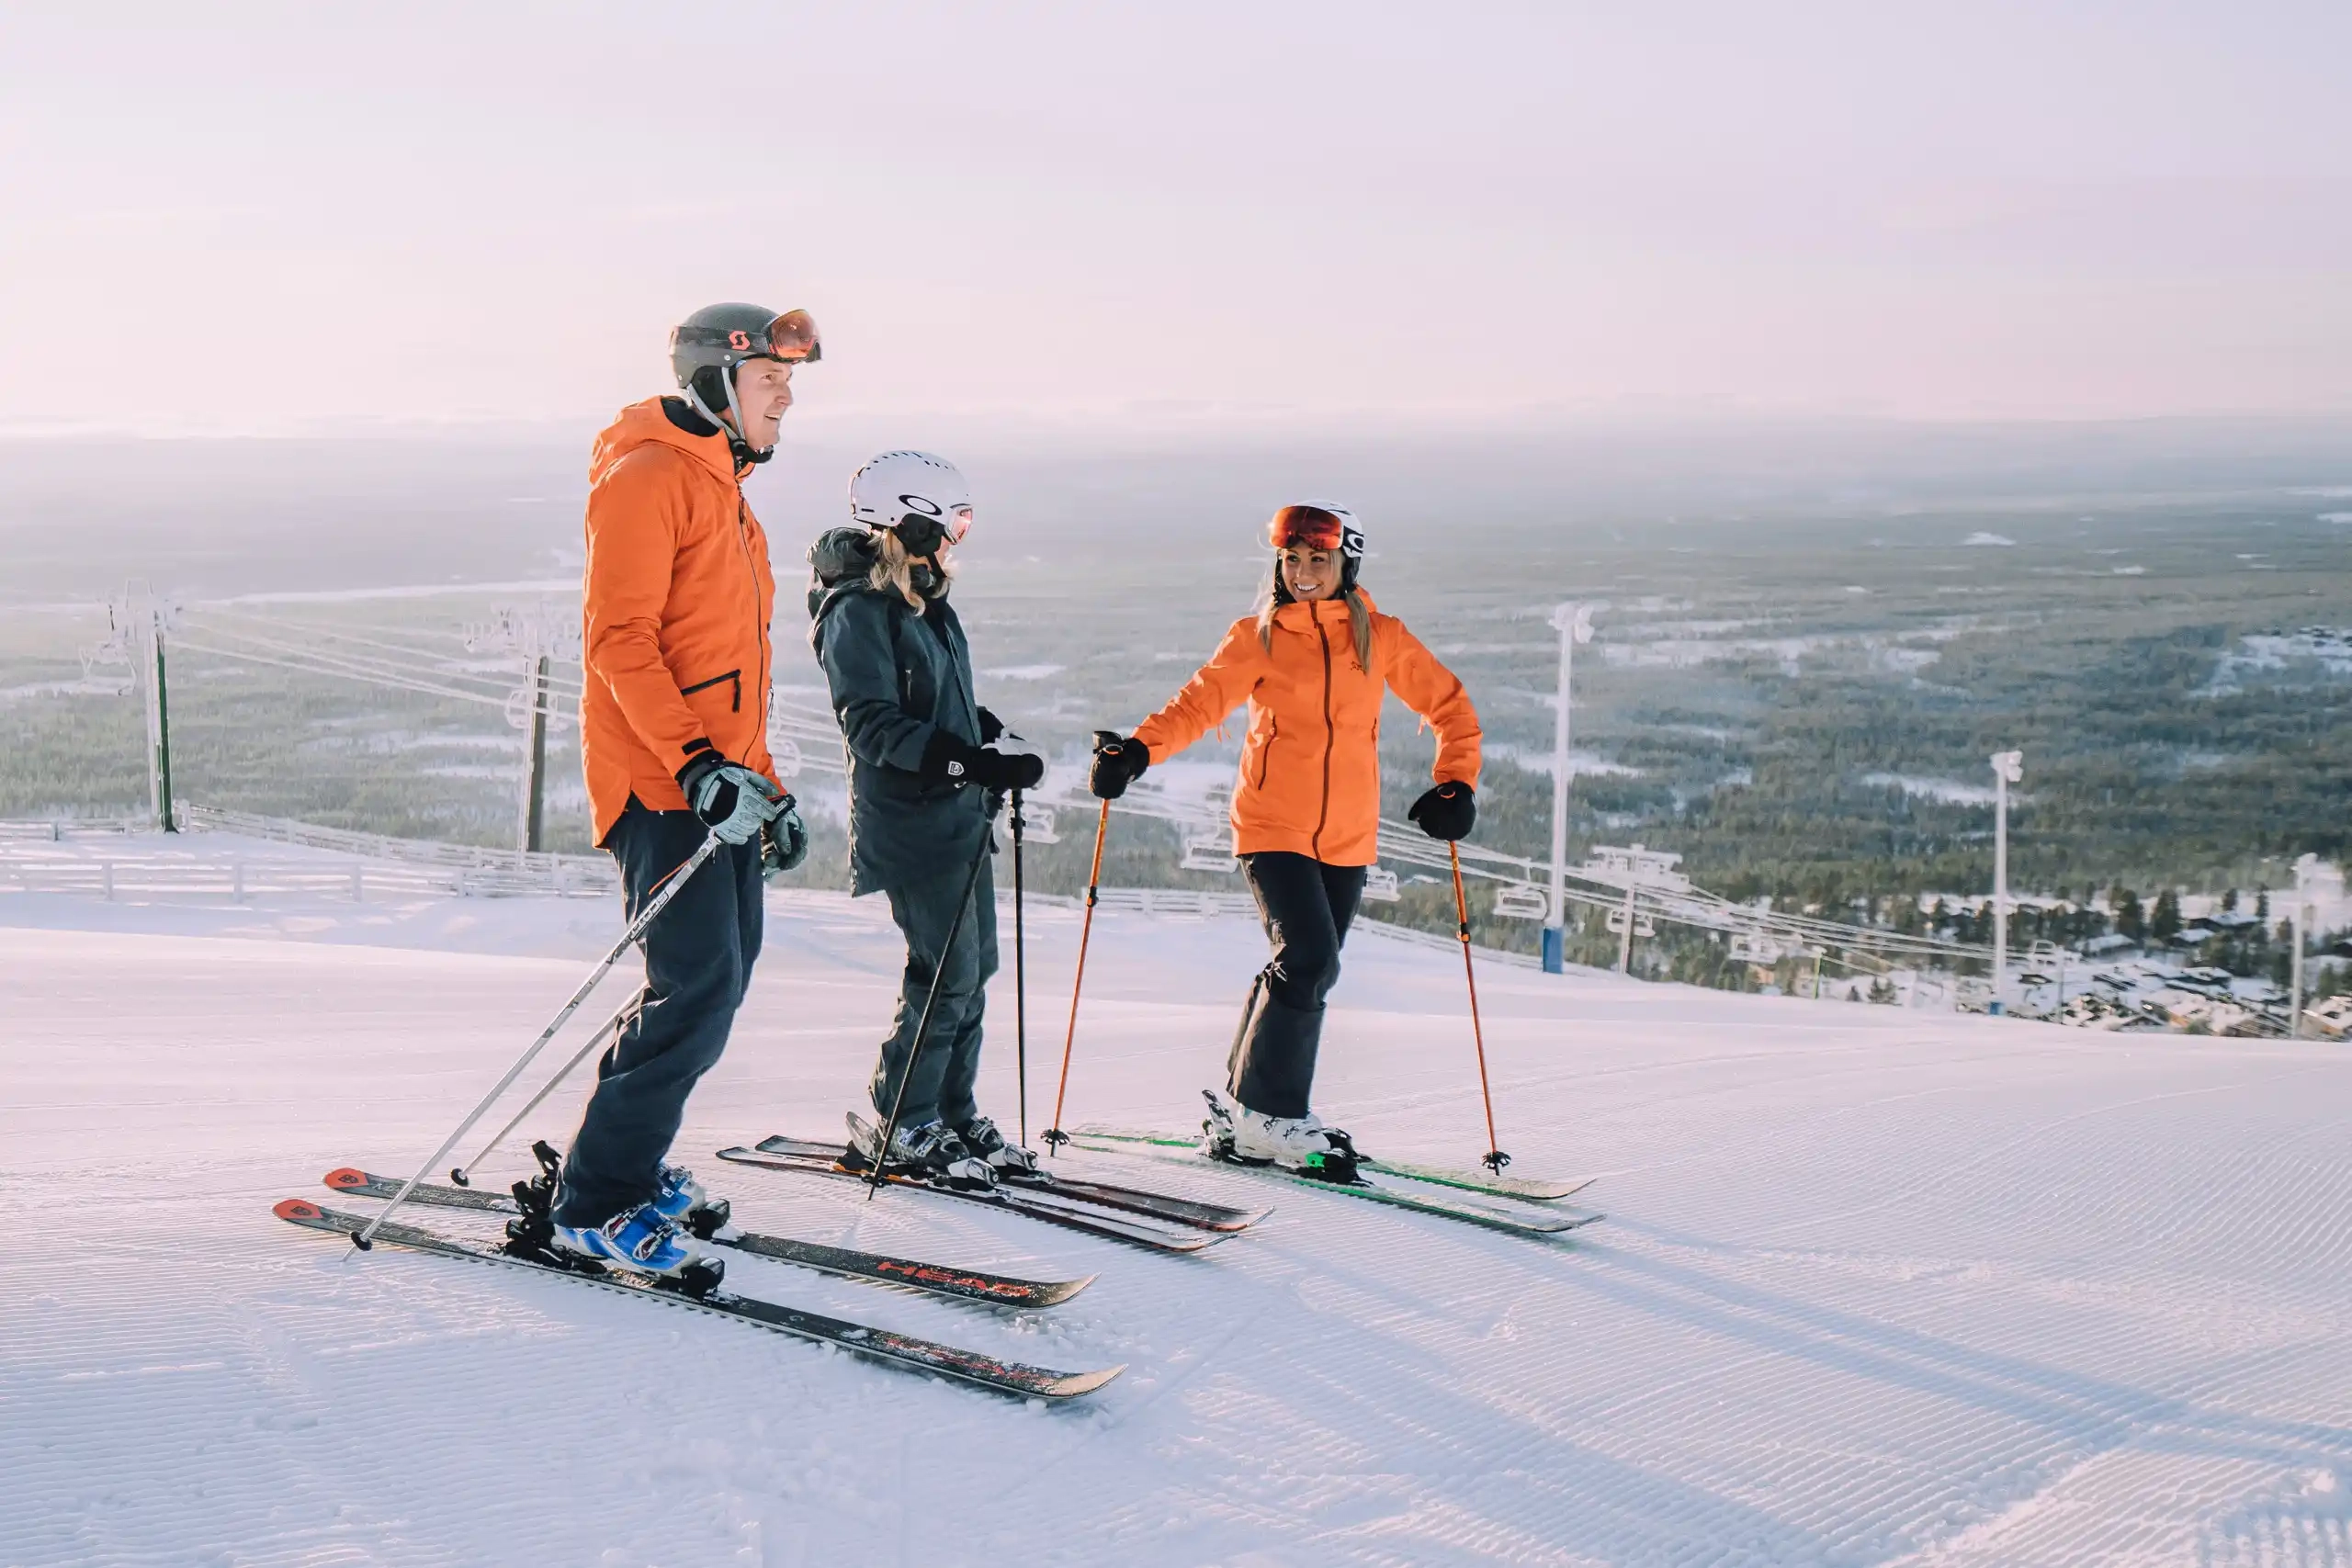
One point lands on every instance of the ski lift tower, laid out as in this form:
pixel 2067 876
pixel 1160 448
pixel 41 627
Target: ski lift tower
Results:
pixel 1633 868
pixel 1575 625
pixel 2007 769
pixel 2306 874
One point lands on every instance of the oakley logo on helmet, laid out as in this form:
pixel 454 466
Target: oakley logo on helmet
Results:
pixel 923 504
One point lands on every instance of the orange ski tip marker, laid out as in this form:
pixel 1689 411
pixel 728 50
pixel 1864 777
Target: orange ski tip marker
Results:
pixel 347 1178
pixel 297 1209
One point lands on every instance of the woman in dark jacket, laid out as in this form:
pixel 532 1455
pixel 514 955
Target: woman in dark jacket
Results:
pixel 923 780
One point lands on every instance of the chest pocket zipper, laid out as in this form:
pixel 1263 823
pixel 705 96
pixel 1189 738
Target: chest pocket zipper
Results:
pixel 735 704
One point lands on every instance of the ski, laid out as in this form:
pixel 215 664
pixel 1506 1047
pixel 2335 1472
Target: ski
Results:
pixel 1193 1212
pixel 1524 1190
pixel 1366 1186
pixel 965 1284
pixel 1036 1206
pixel 878 1344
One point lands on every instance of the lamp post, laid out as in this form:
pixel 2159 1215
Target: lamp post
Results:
pixel 1575 625
pixel 2007 770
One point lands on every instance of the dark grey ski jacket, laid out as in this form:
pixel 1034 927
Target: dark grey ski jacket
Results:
pixel 897 678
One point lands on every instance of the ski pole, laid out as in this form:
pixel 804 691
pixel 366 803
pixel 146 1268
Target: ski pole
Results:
pixel 1054 1135
pixel 1020 979
pixel 363 1239
pixel 609 1029
pixel 1494 1159
pixel 923 1024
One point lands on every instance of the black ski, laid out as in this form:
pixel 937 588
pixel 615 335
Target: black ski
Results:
pixel 1367 1185
pixel 1036 1205
pixel 1519 1187
pixel 966 1284
pixel 1196 1213
pixel 879 1344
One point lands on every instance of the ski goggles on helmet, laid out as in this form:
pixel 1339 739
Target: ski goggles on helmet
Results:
pixel 922 531
pixel 1306 528
pixel 791 337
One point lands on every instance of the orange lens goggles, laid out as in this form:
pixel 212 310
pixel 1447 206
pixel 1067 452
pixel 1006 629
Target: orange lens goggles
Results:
pixel 1305 527
pixel 792 338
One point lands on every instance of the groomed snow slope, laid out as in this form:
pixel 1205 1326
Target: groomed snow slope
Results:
pixel 1875 1287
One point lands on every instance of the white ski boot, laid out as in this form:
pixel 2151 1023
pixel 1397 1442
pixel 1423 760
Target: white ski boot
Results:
pixel 928 1149
pixel 1301 1144
pixel 988 1141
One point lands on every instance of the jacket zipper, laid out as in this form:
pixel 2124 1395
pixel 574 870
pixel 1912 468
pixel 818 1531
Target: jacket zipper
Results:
pixel 743 537
pixel 1330 735
pixel 1266 753
pixel 735 675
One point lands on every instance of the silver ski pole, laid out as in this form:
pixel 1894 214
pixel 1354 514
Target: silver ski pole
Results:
pixel 609 1029
pixel 363 1239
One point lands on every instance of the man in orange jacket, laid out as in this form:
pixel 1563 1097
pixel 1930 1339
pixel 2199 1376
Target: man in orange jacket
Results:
pixel 674 739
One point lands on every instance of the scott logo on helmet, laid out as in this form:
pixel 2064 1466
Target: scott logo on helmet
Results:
pixel 738 339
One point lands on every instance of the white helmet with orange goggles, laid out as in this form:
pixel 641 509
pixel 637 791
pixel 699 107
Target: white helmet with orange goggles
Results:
pixel 919 496
pixel 1320 526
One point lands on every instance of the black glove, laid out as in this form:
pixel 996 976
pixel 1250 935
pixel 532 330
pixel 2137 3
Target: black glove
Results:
pixel 731 799
pixel 991 727
pixel 1118 762
pixel 951 760
pixel 783 842
pixel 1447 812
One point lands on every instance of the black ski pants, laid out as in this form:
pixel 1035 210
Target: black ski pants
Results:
pixel 1306 907
pixel 940 1087
pixel 699 957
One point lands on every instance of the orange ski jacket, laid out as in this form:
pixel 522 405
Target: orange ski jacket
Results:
pixel 674 612
pixel 1309 780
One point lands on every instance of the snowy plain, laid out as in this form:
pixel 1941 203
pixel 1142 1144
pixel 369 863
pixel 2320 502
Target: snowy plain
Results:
pixel 1875 1287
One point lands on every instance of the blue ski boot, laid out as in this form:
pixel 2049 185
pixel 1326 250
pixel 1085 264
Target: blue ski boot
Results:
pixel 643 1240
pixel 684 1202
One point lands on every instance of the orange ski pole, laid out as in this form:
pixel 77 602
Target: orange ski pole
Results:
pixel 1054 1135
pixel 1494 1159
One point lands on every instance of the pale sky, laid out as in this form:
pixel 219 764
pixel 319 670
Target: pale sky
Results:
pixel 243 217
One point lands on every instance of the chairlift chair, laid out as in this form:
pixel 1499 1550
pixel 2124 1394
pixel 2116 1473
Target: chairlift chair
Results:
pixel 1522 901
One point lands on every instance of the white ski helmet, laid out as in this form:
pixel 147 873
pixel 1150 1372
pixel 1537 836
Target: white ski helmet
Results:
pixel 920 496
pixel 1323 526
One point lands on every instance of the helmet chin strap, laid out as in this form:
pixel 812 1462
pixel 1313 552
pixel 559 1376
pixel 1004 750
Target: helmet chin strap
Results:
pixel 730 423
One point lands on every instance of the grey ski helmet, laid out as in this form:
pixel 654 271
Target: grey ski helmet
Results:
pixel 707 346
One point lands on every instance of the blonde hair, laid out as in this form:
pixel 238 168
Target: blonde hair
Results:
pixel 894 570
pixel 1276 596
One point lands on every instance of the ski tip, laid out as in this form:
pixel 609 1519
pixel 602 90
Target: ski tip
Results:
pixel 1079 1383
pixel 347 1178
pixel 300 1209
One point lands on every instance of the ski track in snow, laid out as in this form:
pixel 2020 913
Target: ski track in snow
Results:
pixel 1875 1287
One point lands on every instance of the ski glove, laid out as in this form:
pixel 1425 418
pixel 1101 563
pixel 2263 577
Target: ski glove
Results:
pixel 951 759
pixel 783 842
pixel 731 799
pixel 991 727
pixel 1117 763
pixel 1447 812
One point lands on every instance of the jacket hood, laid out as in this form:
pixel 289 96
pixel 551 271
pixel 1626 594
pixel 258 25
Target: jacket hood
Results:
pixel 645 425
pixel 838 563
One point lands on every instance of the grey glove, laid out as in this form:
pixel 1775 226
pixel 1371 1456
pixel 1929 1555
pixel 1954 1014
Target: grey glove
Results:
pixel 731 799
pixel 783 842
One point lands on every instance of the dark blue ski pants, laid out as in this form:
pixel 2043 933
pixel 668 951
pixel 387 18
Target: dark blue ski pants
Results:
pixel 699 957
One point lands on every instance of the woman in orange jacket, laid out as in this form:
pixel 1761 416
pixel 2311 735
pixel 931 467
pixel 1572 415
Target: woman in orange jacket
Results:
pixel 1313 664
